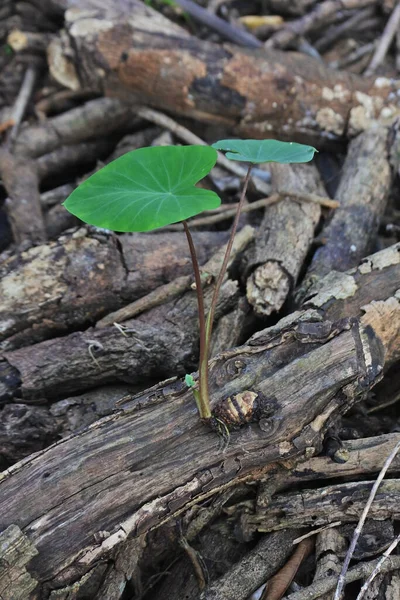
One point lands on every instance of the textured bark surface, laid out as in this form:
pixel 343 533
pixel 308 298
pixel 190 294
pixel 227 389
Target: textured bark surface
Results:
pixel 309 368
pixel 73 281
pixel 257 93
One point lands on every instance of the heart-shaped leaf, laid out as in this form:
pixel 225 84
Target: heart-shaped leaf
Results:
pixel 262 151
pixel 146 188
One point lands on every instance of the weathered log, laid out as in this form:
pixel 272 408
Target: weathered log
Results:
pixel 66 158
pixel 363 191
pixel 257 93
pixel 162 342
pixel 364 457
pixel 80 277
pixel 283 240
pixel 341 502
pixel 254 569
pixel 329 543
pixel 96 118
pixel 311 370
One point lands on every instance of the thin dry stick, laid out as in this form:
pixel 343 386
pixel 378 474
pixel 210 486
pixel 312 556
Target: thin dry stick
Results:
pixel 378 567
pixel 21 102
pixel 387 36
pixel 190 138
pixel 326 585
pixel 160 295
pixel 358 529
pixel 229 210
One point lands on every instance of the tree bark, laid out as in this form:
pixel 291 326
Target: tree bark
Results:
pixel 82 276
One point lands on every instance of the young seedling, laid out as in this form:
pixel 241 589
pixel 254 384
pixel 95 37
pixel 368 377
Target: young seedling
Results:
pixel 153 187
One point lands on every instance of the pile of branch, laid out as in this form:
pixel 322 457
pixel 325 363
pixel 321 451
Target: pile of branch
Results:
pixel 111 486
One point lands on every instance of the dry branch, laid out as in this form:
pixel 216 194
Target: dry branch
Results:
pixel 342 502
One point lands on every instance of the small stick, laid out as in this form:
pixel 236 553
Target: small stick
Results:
pixel 21 103
pixel 378 567
pixel 383 46
pixel 162 294
pixel 316 531
pixel 198 563
pixel 358 529
pixel 228 211
pixel 190 138
pixel 352 57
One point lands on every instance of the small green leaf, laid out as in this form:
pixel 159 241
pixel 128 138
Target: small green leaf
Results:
pixel 262 151
pixel 190 382
pixel 146 189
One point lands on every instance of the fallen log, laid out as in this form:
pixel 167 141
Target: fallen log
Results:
pixel 59 279
pixel 162 342
pixel 138 55
pixel 363 191
pixel 310 369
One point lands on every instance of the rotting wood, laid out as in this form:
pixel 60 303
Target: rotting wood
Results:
pixel 15 552
pixel 257 93
pixel 166 337
pixel 328 544
pixel 311 370
pixel 83 276
pixel 284 238
pixel 68 157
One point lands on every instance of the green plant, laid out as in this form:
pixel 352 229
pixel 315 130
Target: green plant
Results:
pixel 152 187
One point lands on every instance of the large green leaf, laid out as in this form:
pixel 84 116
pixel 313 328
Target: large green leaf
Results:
pixel 146 189
pixel 262 151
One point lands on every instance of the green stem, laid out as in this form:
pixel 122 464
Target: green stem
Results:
pixel 210 317
pixel 202 396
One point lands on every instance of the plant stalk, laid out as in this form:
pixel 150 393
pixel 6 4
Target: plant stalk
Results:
pixel 218 284
pixel 202 396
